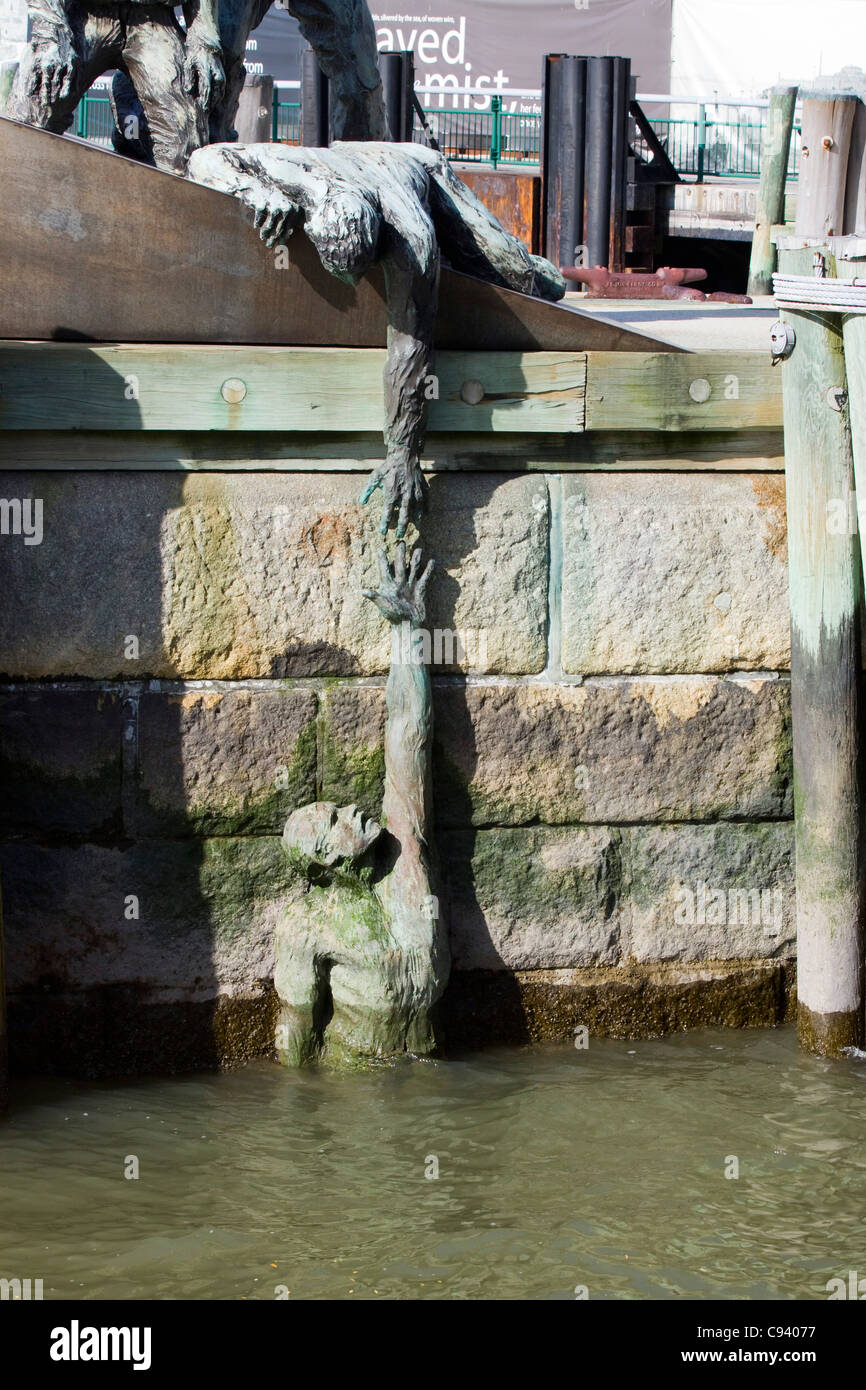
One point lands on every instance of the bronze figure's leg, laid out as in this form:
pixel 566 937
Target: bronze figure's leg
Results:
pixel 153 56
pixel 237 19
pixel 344 39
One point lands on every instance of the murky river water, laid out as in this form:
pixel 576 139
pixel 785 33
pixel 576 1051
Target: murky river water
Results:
pixel 557 1168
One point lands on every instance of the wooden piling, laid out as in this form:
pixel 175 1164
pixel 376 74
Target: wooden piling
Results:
pixel 825 589
pixel 854 340
pixel 770 209
pixel 255 114
pixel 824 150
pixel 855 183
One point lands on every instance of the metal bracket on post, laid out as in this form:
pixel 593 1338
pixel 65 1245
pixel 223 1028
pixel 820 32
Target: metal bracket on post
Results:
pixel 782 341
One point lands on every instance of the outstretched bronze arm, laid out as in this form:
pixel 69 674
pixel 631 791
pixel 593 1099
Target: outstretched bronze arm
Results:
pixel 363 203
pixel 408 698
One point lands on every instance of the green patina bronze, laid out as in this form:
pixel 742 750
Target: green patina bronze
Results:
pixel 362 955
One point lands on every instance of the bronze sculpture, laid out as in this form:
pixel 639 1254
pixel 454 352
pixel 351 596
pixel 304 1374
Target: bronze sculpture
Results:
pixel 176 75
pixel 368 202
pixel 362 956
pixel 175 89
pixel 342 35
pixel 362 953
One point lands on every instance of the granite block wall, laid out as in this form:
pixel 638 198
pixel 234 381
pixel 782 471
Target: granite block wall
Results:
pixel 185 658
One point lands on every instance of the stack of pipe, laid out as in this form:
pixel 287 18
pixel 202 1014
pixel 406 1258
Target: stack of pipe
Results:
pixel 584 159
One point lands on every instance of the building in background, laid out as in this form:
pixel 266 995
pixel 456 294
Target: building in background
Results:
pixel 739 48
pixel 13 30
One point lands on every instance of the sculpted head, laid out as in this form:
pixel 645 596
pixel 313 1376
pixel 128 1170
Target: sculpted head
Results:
pixel 345 230
pixel 326 836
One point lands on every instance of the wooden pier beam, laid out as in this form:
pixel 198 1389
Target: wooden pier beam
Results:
pixel 771 190
pixel 825 588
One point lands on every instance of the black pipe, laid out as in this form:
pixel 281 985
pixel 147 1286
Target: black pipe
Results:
pixel 564 98
pixel 397 71
pixel 574 123
pixel 618 161
pixel 315 117
pixel 598 173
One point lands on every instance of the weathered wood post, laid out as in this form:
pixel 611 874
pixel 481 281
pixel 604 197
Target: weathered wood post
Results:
pixel 825 146
pixel 854 340
pixel 824 576
pixel 771 191
pixel 855 184
pixel 826 586
pixel 255 115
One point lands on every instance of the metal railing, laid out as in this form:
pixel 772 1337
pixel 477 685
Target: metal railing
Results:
pixel 475 137
pixel 698 148
pixel 287 121
pixel 716 148
pixel 92 120
pixel 484 137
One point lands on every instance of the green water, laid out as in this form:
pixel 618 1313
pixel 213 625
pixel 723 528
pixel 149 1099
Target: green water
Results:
pixel 558 1168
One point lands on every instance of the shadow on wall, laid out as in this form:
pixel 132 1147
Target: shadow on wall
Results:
pixel 480 1007
pixel 108 923
pixel 143 873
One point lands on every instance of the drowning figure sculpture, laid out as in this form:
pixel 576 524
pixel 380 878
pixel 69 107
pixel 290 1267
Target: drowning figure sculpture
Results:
pixel 369 202
pixel 176 76
pixel 362 954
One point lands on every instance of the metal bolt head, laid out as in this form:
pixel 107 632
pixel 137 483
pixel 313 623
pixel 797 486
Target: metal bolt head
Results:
pixel 472 392
pixel 700 390
pixel 233 390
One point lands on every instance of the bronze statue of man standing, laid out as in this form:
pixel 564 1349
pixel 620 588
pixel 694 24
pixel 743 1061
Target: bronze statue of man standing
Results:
pixel 177 77
pixel 175 91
